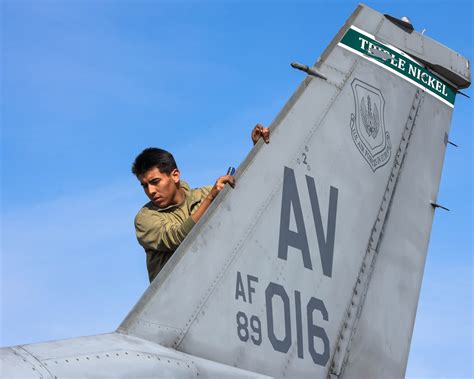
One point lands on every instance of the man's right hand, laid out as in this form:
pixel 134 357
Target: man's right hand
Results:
pixel 220 184
pixel 260 132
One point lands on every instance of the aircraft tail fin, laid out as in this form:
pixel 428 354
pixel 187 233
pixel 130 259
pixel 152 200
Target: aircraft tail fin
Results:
pixel 313 263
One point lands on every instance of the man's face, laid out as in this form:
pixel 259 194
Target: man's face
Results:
pixel 162 189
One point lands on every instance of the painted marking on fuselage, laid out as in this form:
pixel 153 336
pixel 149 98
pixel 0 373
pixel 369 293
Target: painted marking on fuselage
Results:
pixel 282 322
pixel 401 64
pixel 299 239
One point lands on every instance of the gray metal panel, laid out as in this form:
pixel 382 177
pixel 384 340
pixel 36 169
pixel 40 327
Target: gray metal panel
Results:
pixel 109 355
pixel 448 63
pixel 16 364
pixel 369 20
pixel 402 255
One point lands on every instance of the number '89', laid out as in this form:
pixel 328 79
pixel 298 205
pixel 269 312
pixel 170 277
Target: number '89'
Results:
pixel 249 328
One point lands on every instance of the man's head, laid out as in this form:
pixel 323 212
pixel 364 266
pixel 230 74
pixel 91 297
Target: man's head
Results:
pixel 159 176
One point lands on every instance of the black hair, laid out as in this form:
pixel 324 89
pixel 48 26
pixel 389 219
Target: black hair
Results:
pixel 153 157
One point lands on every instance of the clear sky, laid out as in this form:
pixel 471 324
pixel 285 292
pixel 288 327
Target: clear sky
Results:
pixel 86 85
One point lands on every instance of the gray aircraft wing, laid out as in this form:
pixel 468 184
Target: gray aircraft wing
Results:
pixel 312 265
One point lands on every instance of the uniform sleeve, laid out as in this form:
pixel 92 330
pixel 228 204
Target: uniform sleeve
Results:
pixel 205 191
pixel 154 232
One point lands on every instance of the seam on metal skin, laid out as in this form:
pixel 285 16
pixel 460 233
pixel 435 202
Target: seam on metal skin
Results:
pixel 318 123
pixel 355 305
pixel 159 326
pixel 291 356
pixel 19 351
pixel 354 309
pixel 330 67
pixel 156 326
pixel 185 362
pixel 27 357
pixel 339 85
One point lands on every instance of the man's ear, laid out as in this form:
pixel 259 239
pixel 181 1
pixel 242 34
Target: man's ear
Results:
pixel 175 174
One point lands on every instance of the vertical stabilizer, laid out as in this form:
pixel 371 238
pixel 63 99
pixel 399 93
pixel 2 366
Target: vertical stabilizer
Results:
pixel 312 265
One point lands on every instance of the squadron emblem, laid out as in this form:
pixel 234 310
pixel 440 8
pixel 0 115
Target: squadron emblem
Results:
pixel 367 125
pixel 370 119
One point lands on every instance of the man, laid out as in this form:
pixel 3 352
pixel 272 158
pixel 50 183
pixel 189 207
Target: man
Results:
pixel 163 223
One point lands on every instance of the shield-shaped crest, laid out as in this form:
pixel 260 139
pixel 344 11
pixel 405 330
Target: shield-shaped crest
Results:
pixel 367 124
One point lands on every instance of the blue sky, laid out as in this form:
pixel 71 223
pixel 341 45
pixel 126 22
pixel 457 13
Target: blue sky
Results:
pixel 86 85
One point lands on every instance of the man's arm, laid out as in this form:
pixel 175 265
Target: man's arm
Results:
pixel 218 186
pixel 258 132
pixel 154 232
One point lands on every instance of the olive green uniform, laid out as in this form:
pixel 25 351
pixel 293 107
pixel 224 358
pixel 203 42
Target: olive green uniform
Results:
pixel 161 230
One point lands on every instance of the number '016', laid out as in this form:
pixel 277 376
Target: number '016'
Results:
pixel 251 327
pixel 313 331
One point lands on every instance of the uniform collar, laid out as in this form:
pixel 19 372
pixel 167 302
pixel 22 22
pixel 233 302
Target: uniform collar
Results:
pixel 190 196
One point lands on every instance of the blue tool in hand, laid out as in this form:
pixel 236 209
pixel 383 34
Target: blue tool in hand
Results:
pixel 231 171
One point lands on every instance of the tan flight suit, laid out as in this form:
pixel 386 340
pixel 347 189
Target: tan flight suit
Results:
pixel 161 230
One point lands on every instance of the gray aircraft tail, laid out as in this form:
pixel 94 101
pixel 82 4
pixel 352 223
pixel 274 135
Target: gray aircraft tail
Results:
pixel 312 265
